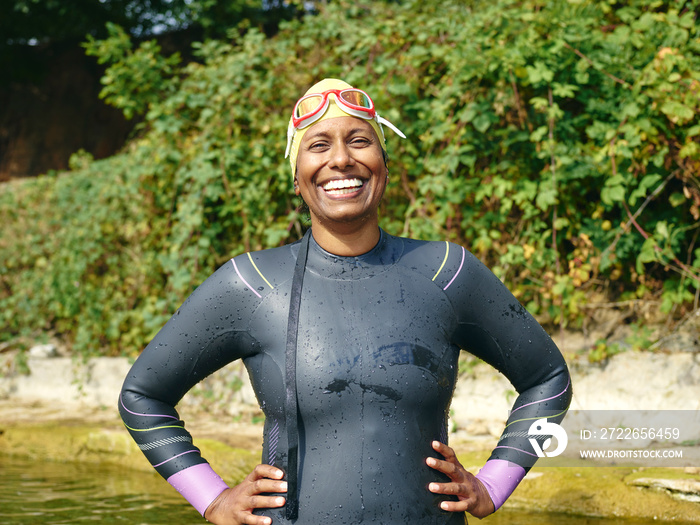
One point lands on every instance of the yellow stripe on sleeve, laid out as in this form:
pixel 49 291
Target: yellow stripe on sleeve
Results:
pixel 447 252
pixel 259 272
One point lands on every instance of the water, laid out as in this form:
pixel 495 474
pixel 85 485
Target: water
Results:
pixel 506 517
pixel 44 492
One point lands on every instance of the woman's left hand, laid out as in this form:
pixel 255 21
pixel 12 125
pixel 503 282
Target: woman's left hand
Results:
pixel 471 493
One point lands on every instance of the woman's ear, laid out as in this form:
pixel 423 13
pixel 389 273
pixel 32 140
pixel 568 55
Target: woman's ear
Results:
pixel 296 186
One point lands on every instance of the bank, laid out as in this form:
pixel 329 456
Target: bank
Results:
pixel 59 409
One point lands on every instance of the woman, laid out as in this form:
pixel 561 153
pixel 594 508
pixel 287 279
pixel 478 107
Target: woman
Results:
pixel 351 339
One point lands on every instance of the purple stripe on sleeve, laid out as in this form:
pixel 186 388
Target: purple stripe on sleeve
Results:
pixel 458 270
pixel 235 266
pixel 543 400
pixel 145 415
pixel 174 457
pixel 199 485
pixel 500 477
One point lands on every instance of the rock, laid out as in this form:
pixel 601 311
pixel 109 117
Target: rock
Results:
pixel 686 338
pixel 685 489
pixel 631 381
pixel 638 381
pixel 43 351
pixel 65 381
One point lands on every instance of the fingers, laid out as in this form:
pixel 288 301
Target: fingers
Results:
pixel 259 502
pixel 461 505
pixel 453 469
pixel 446 451
pixel 257 487
pixel 252 519
pixel 450 466
pixel 450 469
pixel 265 471
pixel 471 496
pixel 264 502
pixel 450 489
pixel 470 493
pixel 264 479
pixel 467 499
pixel 236 505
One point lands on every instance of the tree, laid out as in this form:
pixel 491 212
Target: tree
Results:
pixel 25 24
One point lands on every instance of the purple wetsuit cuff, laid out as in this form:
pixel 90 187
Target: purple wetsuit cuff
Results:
pixel 500 477
pixel 199 485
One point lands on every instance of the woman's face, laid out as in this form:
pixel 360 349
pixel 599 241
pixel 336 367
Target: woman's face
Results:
pixel 341 173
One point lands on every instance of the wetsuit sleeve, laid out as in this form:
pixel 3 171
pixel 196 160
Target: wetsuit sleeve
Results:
pixel 204 335
pixel 495 327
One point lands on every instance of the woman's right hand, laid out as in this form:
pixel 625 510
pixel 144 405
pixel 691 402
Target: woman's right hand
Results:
pixel 234 506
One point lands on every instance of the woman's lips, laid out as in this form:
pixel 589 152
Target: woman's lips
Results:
pixel 342 186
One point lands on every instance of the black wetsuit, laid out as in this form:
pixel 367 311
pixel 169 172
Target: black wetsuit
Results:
pixel 378 342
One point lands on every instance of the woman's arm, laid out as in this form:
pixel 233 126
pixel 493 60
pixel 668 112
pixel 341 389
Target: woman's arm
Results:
pixel 200 338
pixel 496 328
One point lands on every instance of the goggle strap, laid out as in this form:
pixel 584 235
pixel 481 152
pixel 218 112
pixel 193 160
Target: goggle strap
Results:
pixel 290 138
pixel 384 121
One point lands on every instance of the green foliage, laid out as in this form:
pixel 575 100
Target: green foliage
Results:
pixel 602 351
pixel 558 141
pixel 134 79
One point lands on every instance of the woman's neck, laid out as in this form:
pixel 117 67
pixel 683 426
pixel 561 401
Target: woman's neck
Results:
pixel 346 240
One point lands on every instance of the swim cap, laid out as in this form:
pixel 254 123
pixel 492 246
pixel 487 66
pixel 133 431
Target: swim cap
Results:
pixel 333 111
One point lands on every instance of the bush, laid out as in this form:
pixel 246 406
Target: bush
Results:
pixel 558 141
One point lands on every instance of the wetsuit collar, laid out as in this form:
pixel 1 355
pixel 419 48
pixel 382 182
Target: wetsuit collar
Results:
pixel 379 259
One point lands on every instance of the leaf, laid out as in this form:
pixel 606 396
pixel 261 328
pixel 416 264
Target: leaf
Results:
pixel 539 133
pixel 482 122
pixel 677 111
pixel 689 149
pixel 539 73
pixel 546 198
pixel 676 199
pixel 564 90
pixel 612 194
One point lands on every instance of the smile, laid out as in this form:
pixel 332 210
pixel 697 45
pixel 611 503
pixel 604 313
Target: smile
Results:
pixel 341 187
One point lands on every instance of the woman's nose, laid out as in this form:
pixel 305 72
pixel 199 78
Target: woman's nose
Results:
pixel 341 157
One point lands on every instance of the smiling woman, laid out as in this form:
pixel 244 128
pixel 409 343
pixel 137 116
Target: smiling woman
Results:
pixel 341 176
pixel 351 338
pixel 336 147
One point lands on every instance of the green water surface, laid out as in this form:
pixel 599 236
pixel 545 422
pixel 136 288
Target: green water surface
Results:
pixel 41 493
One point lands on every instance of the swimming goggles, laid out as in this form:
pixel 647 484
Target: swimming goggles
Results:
pixel 313 106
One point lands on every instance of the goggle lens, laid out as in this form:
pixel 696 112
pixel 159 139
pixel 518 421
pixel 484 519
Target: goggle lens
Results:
pixel 356 98
pixel 308 105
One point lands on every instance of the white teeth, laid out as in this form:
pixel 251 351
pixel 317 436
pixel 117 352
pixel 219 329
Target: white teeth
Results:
pixel 341 192
pixel 345 184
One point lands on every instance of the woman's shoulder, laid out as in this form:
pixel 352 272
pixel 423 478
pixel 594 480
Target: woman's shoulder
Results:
pixel 265 269
pixel 440 261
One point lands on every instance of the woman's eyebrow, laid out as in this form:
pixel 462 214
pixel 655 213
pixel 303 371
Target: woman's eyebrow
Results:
pixel 325 134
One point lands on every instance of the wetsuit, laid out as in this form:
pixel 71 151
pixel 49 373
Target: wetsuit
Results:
pixel 378 343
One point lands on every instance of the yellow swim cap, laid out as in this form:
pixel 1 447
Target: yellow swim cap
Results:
pixel 294 135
